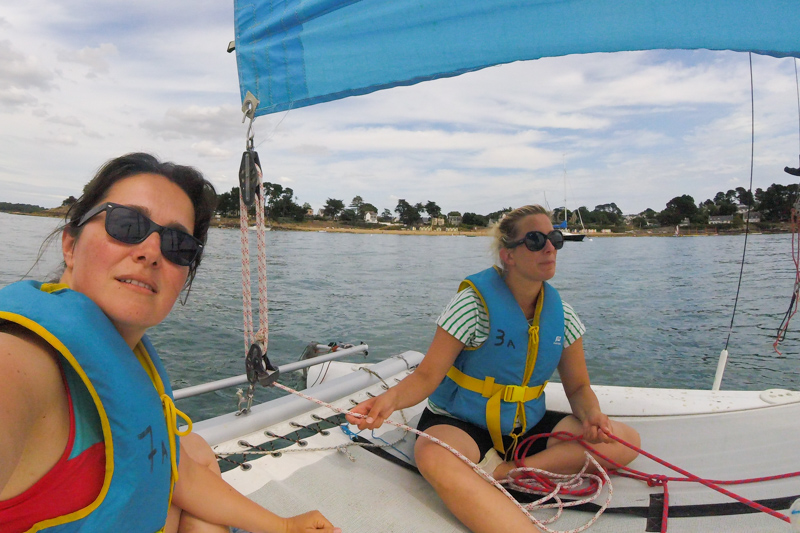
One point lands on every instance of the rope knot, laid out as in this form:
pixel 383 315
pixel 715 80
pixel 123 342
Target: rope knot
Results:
pixel 657 480
pixel 343 449
pixel 533 334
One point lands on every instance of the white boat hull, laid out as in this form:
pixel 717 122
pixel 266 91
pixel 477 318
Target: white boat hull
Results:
pixel 716 435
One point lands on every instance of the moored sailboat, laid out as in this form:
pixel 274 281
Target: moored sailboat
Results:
pixel 569 235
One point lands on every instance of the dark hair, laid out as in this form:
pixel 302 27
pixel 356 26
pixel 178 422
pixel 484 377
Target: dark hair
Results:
pixel 190 180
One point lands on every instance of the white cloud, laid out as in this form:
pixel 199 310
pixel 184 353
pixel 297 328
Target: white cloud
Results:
pixel 195 122
pixel 96 59
pixel 65 121
pixel 311 150
pixel 65 140
pixel 211 150
pixel 19 74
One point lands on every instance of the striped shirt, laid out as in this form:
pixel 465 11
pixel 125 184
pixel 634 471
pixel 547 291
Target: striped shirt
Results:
pixel 466 319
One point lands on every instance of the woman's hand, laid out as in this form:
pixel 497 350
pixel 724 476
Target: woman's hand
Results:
pixel 413 389
pixel 310 521
pixel 596 427
pixel 375 410
pixel 585 407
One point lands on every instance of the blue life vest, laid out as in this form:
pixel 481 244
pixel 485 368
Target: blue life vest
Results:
pixel 500 385
pixel 140 448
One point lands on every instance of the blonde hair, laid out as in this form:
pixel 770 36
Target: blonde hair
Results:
pixel 505 229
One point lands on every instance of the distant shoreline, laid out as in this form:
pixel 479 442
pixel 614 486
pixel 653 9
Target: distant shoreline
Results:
pixel 328 226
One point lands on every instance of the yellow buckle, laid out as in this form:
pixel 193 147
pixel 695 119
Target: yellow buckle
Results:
pixel 514 393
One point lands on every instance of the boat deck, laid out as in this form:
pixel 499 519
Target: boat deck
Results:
pixel 720 435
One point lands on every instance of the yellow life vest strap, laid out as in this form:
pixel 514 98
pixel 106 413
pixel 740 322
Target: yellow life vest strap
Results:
pixel 518 394
pixel 496 393
pixel 171 413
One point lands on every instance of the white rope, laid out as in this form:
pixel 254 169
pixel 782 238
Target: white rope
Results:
pixel 262 335
pixel 246 302
pixel 569 481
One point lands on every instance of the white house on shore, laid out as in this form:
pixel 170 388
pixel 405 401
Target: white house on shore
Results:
pixel 371 217
pixel 720 219
pixel 753 217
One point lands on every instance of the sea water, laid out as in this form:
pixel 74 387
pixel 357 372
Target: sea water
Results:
pixel 657 310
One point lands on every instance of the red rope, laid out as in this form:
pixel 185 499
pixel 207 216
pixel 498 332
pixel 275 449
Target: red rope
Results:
pixel 652 480
pixel 783 328
pixel 541 483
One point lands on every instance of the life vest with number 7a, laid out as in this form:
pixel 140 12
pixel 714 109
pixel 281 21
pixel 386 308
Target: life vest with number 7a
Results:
pixel 133 398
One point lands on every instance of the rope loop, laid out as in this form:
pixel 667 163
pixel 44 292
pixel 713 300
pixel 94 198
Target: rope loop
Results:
pixel 172 413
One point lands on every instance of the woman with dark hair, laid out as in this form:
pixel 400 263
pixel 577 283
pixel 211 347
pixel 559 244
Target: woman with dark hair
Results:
pixel 88 428
pixel 496 345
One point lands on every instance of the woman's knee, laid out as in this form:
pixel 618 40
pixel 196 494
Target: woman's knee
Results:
pixel 568 424
pixel 432 458
pixel 629 436
pixel 426 455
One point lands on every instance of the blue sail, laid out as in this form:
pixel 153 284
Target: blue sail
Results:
pixel 296 53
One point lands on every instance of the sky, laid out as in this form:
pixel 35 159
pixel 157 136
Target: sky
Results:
pixel 84 81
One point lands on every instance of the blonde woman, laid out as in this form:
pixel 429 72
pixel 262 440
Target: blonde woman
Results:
pixel 496 345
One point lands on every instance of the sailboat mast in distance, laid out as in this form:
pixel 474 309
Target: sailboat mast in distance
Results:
pixel 568 236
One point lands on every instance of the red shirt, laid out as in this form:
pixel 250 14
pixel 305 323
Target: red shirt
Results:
pixel 72 484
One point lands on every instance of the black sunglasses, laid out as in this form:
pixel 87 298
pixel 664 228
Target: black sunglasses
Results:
pixel 131 227
pixel 536 240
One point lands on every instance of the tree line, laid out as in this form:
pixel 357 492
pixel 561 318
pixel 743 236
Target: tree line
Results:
pixel 773 204
pixel 8 207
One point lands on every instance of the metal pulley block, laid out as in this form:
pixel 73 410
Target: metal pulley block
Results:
pixel 258 367
pixel 249 176
pixel 250 167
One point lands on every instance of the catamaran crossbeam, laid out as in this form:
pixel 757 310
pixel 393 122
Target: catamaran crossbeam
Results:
pixel 203 388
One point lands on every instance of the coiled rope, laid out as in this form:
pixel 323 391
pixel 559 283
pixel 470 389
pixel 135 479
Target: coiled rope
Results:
pixel 568 481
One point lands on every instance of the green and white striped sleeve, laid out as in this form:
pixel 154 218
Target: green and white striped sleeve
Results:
pixel 465 318
pixel 573 327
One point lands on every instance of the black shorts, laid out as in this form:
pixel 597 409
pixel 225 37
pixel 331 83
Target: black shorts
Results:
pixel 482 437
